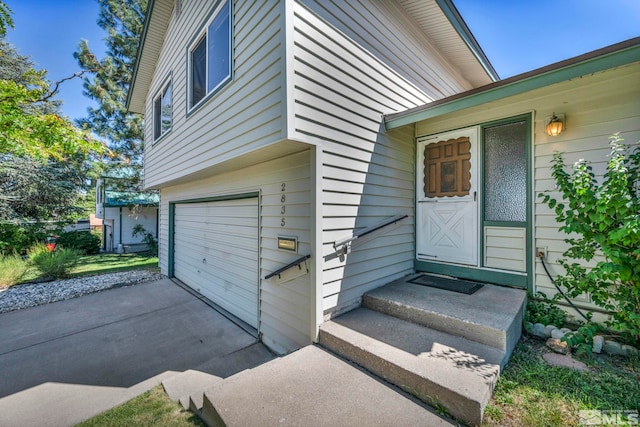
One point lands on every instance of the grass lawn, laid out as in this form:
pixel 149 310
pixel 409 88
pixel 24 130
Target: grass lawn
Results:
pixel 106 263
pixel 532 393
pixel 109 263
pixel 152 408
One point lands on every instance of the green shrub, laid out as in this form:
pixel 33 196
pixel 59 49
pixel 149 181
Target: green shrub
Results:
pixel 603 221
pixel 147 237
pixel 84 241
pixel 542 310
pixel 12 270
pixel 55 264
pixel 18 238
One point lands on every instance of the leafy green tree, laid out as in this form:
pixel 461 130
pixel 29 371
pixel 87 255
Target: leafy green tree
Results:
pixel 603 224
pixel 30 123
pixel 109 84
pixel 43 157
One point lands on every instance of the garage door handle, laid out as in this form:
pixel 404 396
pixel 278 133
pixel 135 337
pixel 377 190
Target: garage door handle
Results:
pixel 204 260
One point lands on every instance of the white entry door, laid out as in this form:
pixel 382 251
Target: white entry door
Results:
pixel 447 197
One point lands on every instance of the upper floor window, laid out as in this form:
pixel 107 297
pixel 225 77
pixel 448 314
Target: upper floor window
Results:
pixel 162 112
pixel 210 55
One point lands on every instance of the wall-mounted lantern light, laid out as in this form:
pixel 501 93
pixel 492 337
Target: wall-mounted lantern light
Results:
pixel 554 125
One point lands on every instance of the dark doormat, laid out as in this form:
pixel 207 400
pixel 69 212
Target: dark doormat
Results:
pixel 455 285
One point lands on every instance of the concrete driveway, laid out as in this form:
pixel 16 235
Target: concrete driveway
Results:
pixel 67 361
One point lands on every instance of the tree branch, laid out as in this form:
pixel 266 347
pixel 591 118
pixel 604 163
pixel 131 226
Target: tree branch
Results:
pixel 57 84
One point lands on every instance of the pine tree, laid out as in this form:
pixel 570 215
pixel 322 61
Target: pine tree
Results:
pixel 123 20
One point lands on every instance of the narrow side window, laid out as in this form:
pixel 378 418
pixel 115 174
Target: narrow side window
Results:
pixel 162 112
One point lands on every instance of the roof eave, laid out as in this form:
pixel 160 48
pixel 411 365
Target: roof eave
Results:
pixel 458 23
pixel 616 55
pixel 136 65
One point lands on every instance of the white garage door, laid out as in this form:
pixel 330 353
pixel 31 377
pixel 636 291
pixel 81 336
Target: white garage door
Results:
pixel 216 253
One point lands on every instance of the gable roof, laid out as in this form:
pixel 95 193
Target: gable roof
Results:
pixel 155 27
pixel 438 19
pixel 616 55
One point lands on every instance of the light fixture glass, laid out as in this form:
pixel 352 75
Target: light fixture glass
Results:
pixel 555 125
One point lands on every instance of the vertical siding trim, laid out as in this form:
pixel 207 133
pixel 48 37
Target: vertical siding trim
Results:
pixel 170 239
pixel 317 279
pixel 288 76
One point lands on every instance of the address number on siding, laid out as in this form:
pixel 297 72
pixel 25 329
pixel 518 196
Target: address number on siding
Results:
pixel 283 207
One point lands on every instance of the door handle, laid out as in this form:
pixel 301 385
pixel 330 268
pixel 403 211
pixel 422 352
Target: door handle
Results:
pixel 475 194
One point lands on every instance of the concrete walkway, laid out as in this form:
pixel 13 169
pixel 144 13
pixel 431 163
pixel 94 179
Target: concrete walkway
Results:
pixel 64 362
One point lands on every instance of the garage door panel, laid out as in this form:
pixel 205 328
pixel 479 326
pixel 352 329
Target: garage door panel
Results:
pixel 216 253
pixel 242 273
pixel 242 260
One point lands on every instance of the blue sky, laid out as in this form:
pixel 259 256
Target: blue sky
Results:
pixel 516 35
pixel 49 31
pixel 521 35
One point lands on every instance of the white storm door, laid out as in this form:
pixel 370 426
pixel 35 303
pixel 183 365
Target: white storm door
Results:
pixel 447 197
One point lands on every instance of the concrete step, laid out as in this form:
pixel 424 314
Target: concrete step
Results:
pixel 491 316
pixel 312 387
pixel 180 387
pixel 438 368
pixel 189 386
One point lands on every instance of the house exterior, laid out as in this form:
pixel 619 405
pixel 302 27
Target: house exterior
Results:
pixel 279 131
pixel 597 94
pixel 120 212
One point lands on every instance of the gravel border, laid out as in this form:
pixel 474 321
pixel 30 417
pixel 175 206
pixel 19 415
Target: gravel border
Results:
pixel 33 294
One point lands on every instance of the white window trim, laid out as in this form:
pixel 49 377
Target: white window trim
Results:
pixel 159 95
pixel 196 40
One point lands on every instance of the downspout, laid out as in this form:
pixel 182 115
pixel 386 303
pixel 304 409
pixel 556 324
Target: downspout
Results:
pixel 120 228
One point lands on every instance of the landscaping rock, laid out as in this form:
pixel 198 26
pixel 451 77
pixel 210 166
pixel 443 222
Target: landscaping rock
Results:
pixel 628 350
pixel 558 346
pixel 538 330
pixel 557 334
pixel 598 342
pixel 548 329
pixel 34 294
pixel 612 347
pixel 564 361
pixel 566 330
pixel 528 326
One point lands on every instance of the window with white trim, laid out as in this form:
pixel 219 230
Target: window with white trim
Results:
pixel 162 112
pixel 210 55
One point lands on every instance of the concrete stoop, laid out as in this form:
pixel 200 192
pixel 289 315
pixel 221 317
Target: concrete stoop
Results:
pixel 493 315
pixel 407 347
pixel 312 387
pixel 438 368
pixel 444 347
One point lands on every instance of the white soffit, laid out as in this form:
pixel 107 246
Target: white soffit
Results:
pixel 148 53
pixel 442 34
